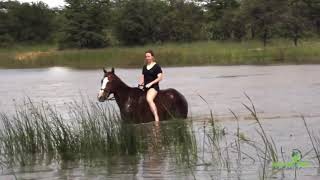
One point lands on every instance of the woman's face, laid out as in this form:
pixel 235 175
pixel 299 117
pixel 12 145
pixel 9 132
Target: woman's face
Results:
pixel 148 58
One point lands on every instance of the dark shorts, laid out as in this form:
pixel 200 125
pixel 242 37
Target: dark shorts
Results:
pixel 155 86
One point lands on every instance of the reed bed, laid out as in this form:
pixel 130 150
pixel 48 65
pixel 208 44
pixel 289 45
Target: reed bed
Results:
pixel 37 133
pixel 169 54
pixel 89 131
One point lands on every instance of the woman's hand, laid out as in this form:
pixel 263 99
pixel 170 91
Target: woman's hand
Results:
pixel 140 86
pixel 148 85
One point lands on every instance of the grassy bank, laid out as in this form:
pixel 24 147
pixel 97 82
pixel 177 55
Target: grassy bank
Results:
pixel 170 54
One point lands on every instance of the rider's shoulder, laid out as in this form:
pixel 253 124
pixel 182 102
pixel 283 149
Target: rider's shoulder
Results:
pixel 158 65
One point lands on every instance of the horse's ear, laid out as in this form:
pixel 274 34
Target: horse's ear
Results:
pixel 104 70
pixel 112 70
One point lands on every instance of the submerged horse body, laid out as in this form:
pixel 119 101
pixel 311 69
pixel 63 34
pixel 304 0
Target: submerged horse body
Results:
pixel 133 105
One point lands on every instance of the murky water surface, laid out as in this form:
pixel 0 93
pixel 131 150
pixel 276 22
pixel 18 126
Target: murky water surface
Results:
pixel 281 94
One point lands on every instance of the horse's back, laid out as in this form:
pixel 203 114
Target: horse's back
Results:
pixel 170 104
pixel 175 101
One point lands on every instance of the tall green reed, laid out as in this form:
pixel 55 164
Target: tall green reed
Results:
pixel 89 130
pixel 270 146
pixel 315 140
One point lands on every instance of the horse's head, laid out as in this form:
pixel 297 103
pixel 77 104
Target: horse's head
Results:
pixel 108 84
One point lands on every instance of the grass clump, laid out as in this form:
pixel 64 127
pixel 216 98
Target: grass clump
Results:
pixel 88 131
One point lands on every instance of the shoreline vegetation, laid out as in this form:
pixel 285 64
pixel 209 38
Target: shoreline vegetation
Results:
pixel 168 54
pixel 38 133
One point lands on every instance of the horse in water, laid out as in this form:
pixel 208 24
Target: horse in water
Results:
pixel 133 105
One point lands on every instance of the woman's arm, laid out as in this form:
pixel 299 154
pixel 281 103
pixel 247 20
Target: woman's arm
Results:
pixel 160 77
pixel 141 80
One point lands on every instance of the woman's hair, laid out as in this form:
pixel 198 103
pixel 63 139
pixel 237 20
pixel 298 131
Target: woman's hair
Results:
pixel 150 51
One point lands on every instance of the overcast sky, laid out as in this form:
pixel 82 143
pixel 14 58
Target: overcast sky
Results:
pixel 51 3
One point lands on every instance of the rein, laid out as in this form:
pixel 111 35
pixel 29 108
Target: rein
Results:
pixel 109 99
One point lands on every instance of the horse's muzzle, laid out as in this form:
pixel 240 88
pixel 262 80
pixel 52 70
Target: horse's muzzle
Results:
pixel 101 98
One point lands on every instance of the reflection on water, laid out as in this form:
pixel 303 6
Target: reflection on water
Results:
pixel 191 149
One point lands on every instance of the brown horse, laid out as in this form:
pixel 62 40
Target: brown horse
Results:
pixel 133 105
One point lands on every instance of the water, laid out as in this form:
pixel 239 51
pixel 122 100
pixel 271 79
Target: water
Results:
pixel 283 91
pixel 280 93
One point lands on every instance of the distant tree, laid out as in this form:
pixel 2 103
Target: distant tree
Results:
pixel 86 21
pixel 138 21
pixel 59 22
pixel 183 22
pixel 149 21
pixel 313 14
pixel 5 38
pixel 263 17
pixel 234 23
pixel 295 20
pixel 26 22
pixel 220 15
pixel 99 23
pixel 216 8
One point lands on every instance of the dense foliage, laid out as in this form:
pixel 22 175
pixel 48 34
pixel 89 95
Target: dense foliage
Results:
pixel 99 23
pixel 25 22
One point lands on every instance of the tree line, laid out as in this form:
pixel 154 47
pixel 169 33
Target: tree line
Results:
pixel 101 23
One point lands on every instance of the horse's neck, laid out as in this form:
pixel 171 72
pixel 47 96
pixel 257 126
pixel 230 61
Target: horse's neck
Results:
pixel 122 94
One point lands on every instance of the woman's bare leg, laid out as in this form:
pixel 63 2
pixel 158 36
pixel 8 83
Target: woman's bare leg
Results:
pixel 151 94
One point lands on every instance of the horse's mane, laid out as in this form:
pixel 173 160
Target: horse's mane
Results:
pixel 124 84
pixel 119 80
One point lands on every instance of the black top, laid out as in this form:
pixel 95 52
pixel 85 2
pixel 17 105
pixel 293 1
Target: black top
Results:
pixel 151 74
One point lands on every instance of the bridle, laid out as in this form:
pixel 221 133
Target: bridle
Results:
pixel 108 99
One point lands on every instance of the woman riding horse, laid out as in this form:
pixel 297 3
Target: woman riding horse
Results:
pixel 133 105
pixel 149 80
